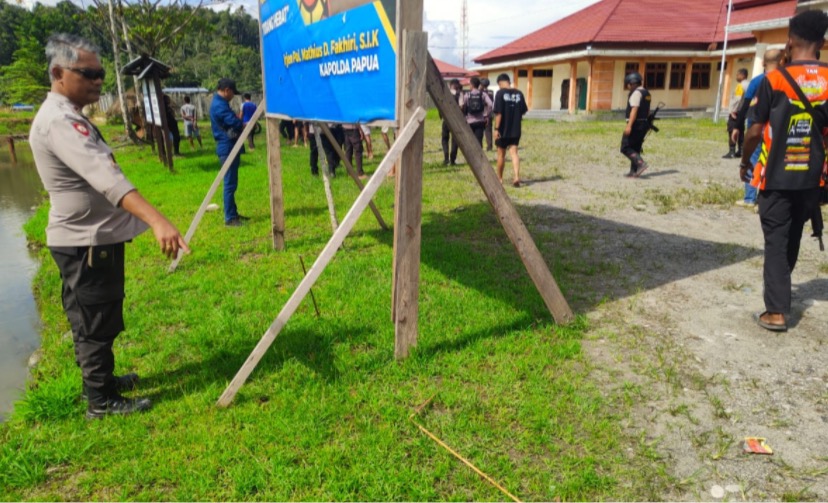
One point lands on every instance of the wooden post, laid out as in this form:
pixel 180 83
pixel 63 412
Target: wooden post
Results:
pixel 573 86
pixel 688 77
pixel 165 128
pixel 506 213
pixel 12 152
pixel 338 149
pixel 530 84
pixel 405 136
pixel 589 85
pixel 405 289
pixel 277 200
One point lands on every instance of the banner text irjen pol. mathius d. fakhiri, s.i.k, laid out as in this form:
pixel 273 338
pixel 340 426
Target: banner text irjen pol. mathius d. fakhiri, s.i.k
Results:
pixel 330 60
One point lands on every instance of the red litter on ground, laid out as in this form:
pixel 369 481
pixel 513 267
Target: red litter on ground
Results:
pixel 756 445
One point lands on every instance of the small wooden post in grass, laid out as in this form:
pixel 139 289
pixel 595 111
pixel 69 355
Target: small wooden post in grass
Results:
pixel 354 176
pixel 326 177
pixel 502 205
pixel 12 152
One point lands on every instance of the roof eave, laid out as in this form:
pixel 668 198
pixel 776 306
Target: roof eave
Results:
pixel 615 53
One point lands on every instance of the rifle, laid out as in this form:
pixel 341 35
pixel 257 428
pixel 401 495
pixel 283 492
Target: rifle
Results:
pixel 653 116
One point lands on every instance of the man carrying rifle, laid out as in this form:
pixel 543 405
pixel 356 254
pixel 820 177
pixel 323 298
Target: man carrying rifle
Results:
pixel 638 123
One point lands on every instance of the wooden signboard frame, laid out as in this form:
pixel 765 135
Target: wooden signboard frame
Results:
pixel 417 75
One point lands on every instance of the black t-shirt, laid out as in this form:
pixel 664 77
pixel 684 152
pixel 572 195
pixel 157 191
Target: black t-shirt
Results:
pixel 793 152
pixel 511 104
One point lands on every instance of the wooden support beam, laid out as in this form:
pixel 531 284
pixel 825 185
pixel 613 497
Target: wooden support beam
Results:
pixel 353 174
pixel 274 170
pixel 573 86
pixel 688 77
pixel 408 205
pixel 219 178
pixel 409 201
pixel 502 205
pixel 405 136
pixel 326 176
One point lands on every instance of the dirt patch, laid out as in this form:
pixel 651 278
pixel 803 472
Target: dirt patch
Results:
pixel 672 276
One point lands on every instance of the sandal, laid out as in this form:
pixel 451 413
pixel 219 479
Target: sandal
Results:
pixel 773 327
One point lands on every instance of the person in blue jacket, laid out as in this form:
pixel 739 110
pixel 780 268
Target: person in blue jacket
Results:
pixel 226 129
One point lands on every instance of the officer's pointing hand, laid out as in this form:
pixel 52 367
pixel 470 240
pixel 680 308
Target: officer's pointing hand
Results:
pixel 169 239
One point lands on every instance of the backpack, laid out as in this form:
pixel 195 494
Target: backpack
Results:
pixel 474 103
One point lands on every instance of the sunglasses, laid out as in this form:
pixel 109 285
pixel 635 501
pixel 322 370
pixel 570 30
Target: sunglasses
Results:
pixel 89 73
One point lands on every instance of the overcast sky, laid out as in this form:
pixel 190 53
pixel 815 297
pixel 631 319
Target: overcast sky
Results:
pixel 492 23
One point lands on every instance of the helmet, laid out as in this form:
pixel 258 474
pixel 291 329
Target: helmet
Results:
pixel 633 77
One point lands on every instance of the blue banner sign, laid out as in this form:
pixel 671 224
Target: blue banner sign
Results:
pixel 330 60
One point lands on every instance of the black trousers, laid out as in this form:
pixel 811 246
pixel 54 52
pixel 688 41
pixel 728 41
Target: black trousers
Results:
pixel 287 129
pixel 446 135
pixel 176 136
pixel 353 147
pixel 330 154
pixel 733 124
pixel 93 302
pixel 478 128
pixel 634 143
pixel 783 214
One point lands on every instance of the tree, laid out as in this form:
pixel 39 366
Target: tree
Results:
pixel 26 79
pixel 11 18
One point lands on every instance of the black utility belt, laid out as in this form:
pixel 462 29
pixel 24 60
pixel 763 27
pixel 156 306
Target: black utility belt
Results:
pixel 97 256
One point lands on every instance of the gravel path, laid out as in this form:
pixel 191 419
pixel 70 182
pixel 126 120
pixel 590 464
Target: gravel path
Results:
pixel 671 309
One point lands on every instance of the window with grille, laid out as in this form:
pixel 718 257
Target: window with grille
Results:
pixel 700 79
pixel 542 73
pixel 655 75
pixel 677 75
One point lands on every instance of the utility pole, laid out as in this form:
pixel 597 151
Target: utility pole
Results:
pixel 464 28
pixel 718 107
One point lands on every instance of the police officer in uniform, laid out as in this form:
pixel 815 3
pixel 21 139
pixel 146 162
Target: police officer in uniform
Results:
pixel 94 211
pixel 638 110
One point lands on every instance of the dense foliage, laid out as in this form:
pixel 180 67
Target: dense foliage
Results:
pixel 211 45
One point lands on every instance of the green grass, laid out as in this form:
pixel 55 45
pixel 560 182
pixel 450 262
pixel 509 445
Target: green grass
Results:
pixel 325 414
pixel 16 123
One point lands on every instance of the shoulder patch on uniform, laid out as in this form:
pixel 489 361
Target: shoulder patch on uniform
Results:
pixel 80 128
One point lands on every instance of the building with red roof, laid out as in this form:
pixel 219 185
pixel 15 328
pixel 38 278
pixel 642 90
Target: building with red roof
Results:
pixel 676 45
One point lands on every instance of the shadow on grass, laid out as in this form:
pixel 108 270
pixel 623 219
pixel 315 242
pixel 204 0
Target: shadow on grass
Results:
pixel 592 259
pixel 304 346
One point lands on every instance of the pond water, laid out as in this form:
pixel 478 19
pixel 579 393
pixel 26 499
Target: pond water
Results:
pixel 20 192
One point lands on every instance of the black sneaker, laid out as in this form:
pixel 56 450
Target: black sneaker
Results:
pixel 445 162
pixel 126 382
pixel 243 218
pixel 234 222
pixel 117 406
pixel 729 155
